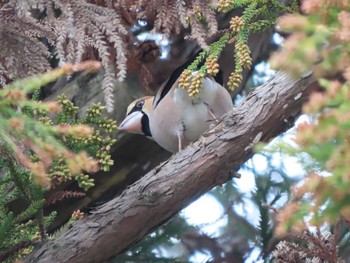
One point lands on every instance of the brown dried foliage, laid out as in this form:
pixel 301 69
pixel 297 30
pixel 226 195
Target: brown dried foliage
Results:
pixel 309 247
pixel 88 29
pixel 60 195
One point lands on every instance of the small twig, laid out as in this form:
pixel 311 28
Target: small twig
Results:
pixel 234 174
pixel 12 250
pixel 40 218
pixel 267 206
pixel 336 240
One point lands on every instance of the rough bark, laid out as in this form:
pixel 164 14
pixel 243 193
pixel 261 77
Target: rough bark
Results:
pixel 156 197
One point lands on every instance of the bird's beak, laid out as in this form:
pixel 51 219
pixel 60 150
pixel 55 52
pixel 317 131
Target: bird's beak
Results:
pixel 132 123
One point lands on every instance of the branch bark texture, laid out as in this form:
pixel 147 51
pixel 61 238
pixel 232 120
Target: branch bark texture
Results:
pixel 164 191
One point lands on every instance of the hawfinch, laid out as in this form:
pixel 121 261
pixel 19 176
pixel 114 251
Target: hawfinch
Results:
pixel 173 118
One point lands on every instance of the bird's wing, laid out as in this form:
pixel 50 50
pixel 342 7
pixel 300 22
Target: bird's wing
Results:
pixel 216 97
pixel 169 83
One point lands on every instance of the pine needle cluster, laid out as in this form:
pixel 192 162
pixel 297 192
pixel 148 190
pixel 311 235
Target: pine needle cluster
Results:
pixel 72 31
pixel 36 32
pixel 309 247
pixel 42 145
pixel 257 16
pixel 22 134
pixel 322 145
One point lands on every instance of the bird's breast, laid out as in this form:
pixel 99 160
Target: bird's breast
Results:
pixel 165 123
pixel 196 120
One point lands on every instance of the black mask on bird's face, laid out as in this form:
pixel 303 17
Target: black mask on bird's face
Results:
pixel 137 120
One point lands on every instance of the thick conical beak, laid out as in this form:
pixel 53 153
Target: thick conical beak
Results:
pixel 132 123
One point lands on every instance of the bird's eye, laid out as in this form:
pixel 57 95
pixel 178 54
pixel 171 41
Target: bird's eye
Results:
pixel 139 104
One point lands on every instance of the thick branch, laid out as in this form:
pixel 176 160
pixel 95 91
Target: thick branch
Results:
pixel 151 201
pixel 133 155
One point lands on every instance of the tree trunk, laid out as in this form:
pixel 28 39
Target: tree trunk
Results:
pixel 164 191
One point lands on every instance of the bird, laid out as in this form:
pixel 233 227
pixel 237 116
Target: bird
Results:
pixel 173 118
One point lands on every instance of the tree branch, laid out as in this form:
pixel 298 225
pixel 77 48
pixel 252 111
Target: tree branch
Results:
pixel 135 155
pixel 152 200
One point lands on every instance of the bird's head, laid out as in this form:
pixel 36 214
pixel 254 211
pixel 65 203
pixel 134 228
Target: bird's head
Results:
pixel 137 117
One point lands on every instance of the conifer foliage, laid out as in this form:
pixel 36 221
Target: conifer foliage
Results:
pixel 77 30
pixel 324 140
pixel 43 144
